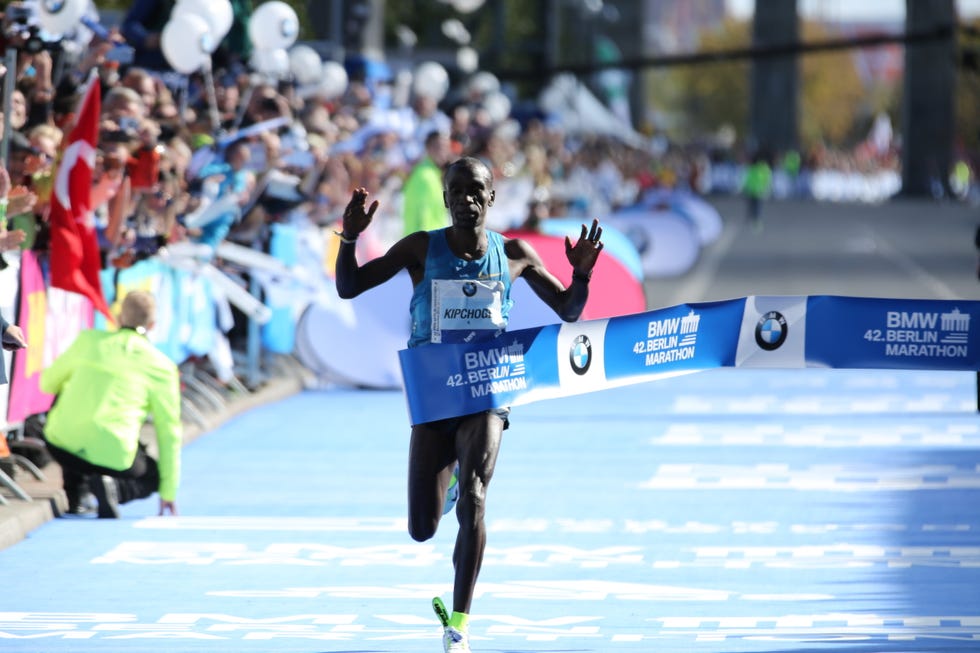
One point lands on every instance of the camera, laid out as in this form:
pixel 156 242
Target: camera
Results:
pixel 22 30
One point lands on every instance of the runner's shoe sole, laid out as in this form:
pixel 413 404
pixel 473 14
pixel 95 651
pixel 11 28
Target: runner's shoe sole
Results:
pixel 440 609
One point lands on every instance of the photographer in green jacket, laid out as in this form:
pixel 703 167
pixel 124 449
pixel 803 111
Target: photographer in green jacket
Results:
pixel 107 383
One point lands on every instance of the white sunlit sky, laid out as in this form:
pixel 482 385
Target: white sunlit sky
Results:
pixel 849 10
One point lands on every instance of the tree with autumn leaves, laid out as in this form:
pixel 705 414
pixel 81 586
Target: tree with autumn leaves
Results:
pixel 702 99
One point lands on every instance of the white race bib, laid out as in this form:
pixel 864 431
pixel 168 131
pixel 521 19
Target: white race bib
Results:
pixel 464 310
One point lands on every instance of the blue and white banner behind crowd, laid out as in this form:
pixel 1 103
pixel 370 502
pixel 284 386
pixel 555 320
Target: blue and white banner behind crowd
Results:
pixel 552 361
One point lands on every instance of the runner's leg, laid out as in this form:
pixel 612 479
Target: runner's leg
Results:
pixel 477 444
pixel 431 460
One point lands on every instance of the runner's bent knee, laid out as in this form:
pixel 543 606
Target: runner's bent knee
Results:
pixel 422 529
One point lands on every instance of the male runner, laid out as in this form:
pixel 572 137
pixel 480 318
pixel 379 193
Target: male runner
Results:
pixel 462 258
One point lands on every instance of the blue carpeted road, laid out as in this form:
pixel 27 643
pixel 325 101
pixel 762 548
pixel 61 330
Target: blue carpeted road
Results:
pixel 725 511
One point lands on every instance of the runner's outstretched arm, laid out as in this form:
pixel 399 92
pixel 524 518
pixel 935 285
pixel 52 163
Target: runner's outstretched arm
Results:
pixel 568 303
pixel 352 279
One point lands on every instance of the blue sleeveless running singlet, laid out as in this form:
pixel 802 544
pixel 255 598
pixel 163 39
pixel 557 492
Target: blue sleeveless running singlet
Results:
pixel 460 300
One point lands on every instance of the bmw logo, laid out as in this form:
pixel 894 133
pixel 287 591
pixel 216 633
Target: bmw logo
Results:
pixel 469 288
pixel 580 354
pixel 771 330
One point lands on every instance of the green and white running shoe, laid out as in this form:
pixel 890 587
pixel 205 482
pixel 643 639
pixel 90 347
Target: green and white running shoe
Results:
pixel 453 641
pixel 452 494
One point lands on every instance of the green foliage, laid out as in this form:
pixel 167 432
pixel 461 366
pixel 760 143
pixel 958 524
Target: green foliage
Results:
pixel 423 18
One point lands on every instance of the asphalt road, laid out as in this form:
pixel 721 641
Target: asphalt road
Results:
pixel 915 249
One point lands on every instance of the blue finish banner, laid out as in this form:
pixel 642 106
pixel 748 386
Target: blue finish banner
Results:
pixel 519 367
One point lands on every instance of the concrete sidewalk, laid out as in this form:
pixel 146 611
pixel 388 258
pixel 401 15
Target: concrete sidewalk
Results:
pixel 47 499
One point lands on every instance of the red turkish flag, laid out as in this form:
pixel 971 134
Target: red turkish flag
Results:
pixel 75 259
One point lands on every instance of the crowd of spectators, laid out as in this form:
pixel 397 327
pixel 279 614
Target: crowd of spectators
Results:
pixel 166 149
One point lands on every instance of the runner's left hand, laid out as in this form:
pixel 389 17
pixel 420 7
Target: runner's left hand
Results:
pixel 585 252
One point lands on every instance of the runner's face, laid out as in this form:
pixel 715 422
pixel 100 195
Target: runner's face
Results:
pixel 468 196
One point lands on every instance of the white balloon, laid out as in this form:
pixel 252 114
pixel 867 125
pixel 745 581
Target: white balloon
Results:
pixel 274 63
pixel 467 59
pixel 218 14
pixel 273 25
pixel 60 16
pixel 305 64
pixel 466 6
pixel 497 106
pixel 431 80
pixel 224 14
pixel 454 30
pixel 483 83
pixel 186 42
pixel 406 37
pixel 333 81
